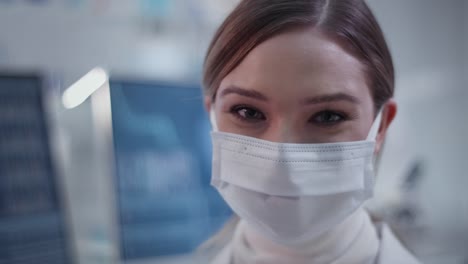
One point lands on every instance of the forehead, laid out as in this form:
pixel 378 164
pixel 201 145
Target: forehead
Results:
pixel 298 62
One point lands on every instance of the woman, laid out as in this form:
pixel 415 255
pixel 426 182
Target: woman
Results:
pixel 300 98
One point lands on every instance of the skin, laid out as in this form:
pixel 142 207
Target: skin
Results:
pixel 299 87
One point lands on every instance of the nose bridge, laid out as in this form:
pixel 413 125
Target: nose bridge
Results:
pixel 283 131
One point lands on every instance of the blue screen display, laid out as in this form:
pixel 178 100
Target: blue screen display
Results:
pixel 162 150
pixel 31 219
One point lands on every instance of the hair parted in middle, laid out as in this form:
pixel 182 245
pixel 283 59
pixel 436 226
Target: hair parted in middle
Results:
pixel 349 22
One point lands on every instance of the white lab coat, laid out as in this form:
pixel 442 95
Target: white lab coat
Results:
pixel 391 250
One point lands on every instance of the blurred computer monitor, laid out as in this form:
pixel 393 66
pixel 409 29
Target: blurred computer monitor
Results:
pixel 32 219
pixel 162 168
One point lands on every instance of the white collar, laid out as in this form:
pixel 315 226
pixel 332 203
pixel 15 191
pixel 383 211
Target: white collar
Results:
pixel 353 241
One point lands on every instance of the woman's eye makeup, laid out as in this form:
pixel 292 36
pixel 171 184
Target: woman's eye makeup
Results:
pixel 247 113
pixel 324 118
pixel 328 118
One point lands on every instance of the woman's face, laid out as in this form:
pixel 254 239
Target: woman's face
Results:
pixel 297 87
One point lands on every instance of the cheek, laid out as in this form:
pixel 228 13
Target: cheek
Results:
pixel 347 132
pixel 365 122
pixel 362 125
pixel 361 129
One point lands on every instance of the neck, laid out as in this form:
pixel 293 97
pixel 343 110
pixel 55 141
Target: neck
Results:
pixel 352 241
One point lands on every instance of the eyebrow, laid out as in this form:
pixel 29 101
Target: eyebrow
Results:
pixel 327 98
pixel 244 92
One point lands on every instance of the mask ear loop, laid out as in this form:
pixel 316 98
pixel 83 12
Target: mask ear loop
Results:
pixel 214 126
pixel 374 130
pixel 372 136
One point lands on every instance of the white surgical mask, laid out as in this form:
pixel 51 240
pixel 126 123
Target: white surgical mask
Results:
pixel 292 193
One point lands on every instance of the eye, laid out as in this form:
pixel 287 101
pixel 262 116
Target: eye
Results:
pixel 247 113
pixel 328 118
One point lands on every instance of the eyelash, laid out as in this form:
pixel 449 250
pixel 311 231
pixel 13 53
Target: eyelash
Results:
pixel 336 114
pixel 235 111
pixel 341 117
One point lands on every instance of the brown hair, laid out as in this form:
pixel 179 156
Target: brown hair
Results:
pixel 350 22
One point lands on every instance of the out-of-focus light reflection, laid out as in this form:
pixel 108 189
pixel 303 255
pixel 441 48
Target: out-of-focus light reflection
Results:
pixel 78 92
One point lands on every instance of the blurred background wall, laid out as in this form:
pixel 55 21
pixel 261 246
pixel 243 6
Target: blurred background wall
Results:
pixel 166 40
pixel 428 41
pixel 148 39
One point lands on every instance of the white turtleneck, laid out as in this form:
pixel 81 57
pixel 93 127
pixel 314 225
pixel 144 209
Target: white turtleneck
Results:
pixel 354 240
